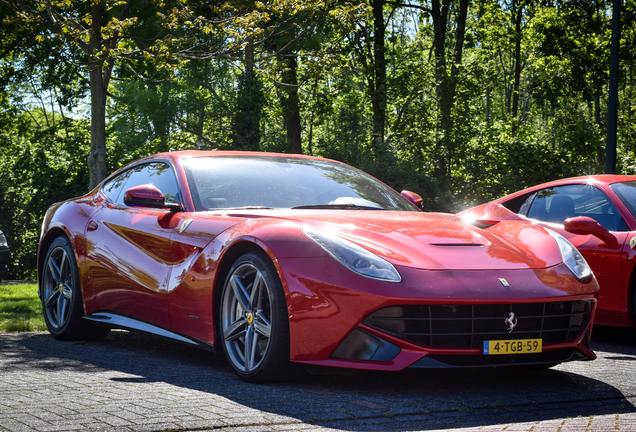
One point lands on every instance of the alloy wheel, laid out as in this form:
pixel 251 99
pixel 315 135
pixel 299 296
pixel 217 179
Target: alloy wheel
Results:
pixel 246 317
pixel 58 287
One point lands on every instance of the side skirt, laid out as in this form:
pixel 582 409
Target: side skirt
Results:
pixel 112 320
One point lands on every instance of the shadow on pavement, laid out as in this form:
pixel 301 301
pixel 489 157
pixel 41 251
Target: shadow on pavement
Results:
pixel 411 399
pixel 614 335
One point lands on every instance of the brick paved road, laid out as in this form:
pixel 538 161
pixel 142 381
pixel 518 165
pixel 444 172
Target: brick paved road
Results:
pixel 131 382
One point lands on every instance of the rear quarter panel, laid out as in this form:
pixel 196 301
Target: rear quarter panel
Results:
pixel 68 218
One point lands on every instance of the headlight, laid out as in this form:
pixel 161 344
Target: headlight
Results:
pixel 355 258
pixel 3 240
pixel 572 257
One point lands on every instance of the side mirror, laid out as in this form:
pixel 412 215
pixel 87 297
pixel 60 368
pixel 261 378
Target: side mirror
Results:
pixel 148 196
pixel 414 198
pixel 584 225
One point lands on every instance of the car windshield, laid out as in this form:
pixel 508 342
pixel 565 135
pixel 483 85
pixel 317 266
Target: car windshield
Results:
pixel 626 191
pixel 231 182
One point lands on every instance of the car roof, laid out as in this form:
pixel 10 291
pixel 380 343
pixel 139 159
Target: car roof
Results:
pixel 182 154
pixel 598 178
pixel 604 179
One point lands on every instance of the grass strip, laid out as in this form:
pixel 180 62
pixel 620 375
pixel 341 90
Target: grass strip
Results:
pixel 20 308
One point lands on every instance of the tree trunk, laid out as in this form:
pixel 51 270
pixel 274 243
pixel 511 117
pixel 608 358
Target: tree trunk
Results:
pixel 439 15
pixel 289 100
pixel 246 123
pixel 378 92
pixel 97 164
pixel 517 77
pixel 488 107
pixel 600 149
pixel 446 83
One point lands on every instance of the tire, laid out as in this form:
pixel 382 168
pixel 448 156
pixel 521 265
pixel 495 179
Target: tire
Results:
pixel 62 303
pixel 253 321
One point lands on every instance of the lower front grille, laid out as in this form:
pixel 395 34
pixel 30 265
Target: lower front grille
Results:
pixel 468 326
pixel 547 358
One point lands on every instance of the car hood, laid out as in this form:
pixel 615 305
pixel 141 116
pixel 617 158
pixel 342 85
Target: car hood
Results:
pixel 432 241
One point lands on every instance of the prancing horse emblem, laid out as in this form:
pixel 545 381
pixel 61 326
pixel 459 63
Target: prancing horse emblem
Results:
pixel 511 322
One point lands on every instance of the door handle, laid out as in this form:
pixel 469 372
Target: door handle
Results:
pixel 92 226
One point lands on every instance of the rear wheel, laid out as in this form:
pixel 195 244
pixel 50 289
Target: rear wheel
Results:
pixel 254 324
pixel 61 291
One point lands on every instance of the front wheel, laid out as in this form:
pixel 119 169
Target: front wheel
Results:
pixel 254 324
pixel 61 292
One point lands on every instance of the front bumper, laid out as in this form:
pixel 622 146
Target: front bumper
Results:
pixel 329 307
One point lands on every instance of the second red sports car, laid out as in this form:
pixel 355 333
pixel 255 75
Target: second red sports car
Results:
pixel 597 214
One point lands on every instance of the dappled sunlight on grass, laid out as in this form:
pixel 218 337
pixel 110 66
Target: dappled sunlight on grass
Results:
pixel 20 308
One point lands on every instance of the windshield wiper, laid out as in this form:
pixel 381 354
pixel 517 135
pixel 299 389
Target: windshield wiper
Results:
pixel 336 206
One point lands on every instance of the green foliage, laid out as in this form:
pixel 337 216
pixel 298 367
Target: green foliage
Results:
pixel 213 77
pixel 39 167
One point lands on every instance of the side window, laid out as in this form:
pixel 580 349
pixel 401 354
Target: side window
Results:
pixel 112 188
pixel 559 203
pixel 525 207
pixel 159 175
pixel 516 205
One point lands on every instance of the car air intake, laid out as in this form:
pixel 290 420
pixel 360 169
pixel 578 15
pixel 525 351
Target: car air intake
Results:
pixel 469 325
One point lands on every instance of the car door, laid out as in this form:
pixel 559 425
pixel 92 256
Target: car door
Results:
pixel 552 206
pixel 128 253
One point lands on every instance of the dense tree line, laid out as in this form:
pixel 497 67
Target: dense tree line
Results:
pixel 460 101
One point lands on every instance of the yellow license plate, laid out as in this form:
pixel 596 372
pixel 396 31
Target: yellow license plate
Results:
pixel 518 346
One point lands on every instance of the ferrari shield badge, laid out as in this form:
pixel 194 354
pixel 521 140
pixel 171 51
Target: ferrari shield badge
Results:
pixel 632 242
pixel 504 282
pixel 184 225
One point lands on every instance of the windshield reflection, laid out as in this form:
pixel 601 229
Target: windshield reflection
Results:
pixel 224 182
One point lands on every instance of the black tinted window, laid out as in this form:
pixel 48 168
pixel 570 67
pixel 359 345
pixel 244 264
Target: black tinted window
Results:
pixel 559 203
pixel 113 187
pixel 525 206
pixel 157 174
pixel 626 192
